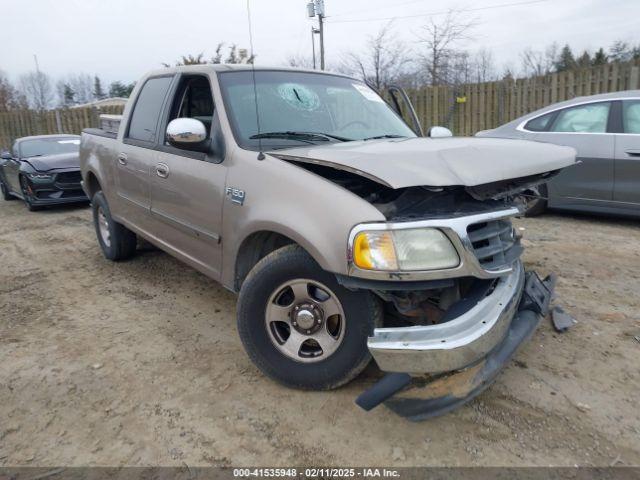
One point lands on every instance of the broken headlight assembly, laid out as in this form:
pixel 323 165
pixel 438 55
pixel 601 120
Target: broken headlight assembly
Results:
pixel 410 249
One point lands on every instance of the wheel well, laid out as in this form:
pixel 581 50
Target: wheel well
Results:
pixel 93 185
pixel 253 249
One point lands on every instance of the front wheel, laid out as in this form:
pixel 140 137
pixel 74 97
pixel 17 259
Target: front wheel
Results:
pixel 27 194
pixel 116 241
pixel 302 328
pixel 535 200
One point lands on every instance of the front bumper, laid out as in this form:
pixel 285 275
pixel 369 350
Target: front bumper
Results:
pixel 63 187
pixel 461 357
pixel 453 344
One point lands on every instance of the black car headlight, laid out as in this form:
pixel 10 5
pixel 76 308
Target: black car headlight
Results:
pixel 41 176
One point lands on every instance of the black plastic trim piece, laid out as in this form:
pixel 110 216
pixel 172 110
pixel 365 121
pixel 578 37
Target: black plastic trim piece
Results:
pixel 355 283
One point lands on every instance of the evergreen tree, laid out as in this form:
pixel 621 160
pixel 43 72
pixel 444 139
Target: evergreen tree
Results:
pixel 599 58
pixel 98 93
pixel 584 60
pixel 566 60
pixel 68 95
pixel 119 89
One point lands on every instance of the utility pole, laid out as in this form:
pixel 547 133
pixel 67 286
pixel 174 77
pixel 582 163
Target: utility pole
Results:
pixel 316 7
pixel 314 30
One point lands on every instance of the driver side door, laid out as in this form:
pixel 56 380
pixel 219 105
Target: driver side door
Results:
pixel 11 169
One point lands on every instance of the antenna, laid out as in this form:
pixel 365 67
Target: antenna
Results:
pixel 253 73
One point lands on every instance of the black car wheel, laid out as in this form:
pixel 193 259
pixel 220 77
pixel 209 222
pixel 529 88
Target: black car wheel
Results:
pixel 116 241
pixel 5 192
pixel 535 200
pixel 27 194
pixel 300 326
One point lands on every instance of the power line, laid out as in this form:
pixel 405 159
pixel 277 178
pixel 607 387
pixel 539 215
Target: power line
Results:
pixel 488 7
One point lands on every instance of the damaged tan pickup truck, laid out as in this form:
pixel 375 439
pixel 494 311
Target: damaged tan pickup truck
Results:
pixel 347 234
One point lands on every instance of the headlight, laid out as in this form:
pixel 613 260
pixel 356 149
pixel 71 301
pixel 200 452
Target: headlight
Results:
pixel 41 176
pixel 406 249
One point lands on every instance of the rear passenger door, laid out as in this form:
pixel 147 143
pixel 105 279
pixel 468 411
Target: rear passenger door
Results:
pixel 585 128
pixel 187 187
pixel 627 184
pixel 138 150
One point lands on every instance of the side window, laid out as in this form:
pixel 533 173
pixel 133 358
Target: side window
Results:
pixel 590 118
pixel 14 150
pixel 539 124
pixel 631 116
pixel 146 111
pixel 194 100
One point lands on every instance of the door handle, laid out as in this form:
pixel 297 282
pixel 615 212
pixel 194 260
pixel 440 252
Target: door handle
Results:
pixel 633 153
pixel 162 170
pixel 122 159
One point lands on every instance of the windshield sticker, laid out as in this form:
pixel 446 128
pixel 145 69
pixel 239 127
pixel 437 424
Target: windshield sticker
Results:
pixel 367 93
pixel 299 96
pixel 74 142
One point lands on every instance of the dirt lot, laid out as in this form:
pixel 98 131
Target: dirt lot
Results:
pixel 139 363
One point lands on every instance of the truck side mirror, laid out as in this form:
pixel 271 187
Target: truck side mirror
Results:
pixel 5 155
pixel 439 132
pixel 188 134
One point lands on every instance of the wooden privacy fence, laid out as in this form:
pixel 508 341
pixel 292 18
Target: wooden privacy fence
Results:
pixel 473 107
pixel 464 109
pixel 22 123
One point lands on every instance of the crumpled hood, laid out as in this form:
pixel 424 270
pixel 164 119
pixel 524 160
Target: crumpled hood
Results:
pixel 59 161
pixel 465 161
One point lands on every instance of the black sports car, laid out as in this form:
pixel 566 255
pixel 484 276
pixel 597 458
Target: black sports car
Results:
pixel 42 170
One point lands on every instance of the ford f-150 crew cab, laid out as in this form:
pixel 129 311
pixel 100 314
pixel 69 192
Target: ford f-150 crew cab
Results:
pixel 346 235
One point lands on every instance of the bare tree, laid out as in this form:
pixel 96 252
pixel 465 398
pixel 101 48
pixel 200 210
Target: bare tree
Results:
pixel 384 61
pixel 536 63
pixel 484 65
pixel 441 39
pixel 10 97
pixel 36 87
pixel 299 61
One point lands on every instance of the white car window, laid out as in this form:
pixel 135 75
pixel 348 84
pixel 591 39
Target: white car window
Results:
pixel 631 117
pixel 591 118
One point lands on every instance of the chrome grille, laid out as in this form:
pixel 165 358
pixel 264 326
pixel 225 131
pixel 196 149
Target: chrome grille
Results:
pixel 495 243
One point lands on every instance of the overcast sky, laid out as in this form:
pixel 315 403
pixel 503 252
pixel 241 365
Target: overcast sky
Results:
pixel 121 39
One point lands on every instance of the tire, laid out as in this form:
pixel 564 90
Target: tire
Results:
pixel 313 367
pixel 536 206
pixel 5 192
pixel 24 185
pixel 116 241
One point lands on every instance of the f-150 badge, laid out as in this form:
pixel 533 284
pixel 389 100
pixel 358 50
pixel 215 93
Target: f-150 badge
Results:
pixel 236 195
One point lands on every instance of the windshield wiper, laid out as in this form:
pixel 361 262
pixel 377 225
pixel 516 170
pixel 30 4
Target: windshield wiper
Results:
pixel 308 136
pixel 384 136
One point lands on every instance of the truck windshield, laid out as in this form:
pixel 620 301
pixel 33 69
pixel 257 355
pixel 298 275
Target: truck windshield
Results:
pixel 293 106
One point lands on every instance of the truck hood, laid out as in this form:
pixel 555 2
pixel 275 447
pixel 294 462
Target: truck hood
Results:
pixel 59 161
pixel 465 161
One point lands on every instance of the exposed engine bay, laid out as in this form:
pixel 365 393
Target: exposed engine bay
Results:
pixel 445 299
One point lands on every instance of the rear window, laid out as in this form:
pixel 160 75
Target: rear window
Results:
pixel 631 117
pixel 589 118
pixel 146 112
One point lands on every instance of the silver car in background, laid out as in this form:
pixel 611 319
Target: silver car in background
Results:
pixel 605 130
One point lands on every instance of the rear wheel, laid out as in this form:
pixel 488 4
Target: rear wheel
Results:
pixel 27 194
pixel 5 192
pixel 116 241
pixel 535 200
pixel 301 327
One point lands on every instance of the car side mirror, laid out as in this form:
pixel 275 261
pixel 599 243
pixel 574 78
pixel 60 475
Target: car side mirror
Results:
pixel 188 134
pixel 439 132
pixel 5 155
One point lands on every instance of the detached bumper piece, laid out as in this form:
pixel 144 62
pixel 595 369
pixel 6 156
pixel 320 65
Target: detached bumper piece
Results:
pixel 418 398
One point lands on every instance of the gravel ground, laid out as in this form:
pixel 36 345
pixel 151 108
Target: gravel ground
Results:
pixel 139 363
